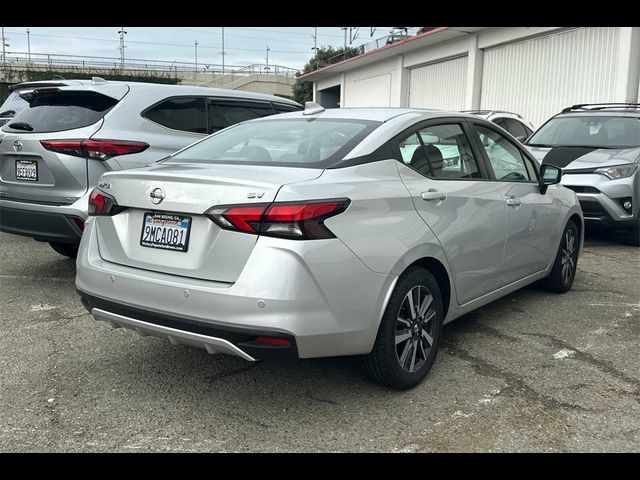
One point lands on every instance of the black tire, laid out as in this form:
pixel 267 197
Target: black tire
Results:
pixel 67 249
pixel 633 236
pixel 383 364
pixel 560 280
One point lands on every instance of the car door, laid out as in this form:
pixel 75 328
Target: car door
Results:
pixel 452 193
pixel 531 216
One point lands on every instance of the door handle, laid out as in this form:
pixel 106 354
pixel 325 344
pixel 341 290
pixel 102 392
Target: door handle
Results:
pixel 513 202
pixel 433 195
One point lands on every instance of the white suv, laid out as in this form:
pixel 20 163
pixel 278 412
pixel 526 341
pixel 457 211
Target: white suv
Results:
pixel 513 123
pixel 53 152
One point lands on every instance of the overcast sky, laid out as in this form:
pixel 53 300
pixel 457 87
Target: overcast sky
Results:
pixel 289 46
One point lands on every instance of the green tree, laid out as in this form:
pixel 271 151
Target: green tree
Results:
pixel 303 91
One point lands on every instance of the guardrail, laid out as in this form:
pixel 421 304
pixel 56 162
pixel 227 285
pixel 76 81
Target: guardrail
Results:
pixel 47 61
pixel 256 68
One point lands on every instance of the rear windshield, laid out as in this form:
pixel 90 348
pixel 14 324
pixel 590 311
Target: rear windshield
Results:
pixel 598 131
pixel 299 142
pixel 12 104
pixel 58 111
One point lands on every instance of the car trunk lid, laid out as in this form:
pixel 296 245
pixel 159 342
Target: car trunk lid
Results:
pixel 187 191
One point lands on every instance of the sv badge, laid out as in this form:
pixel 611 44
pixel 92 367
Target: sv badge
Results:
pixel 255 195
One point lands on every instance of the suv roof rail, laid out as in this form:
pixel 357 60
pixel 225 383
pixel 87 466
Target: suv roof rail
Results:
pixel 601 106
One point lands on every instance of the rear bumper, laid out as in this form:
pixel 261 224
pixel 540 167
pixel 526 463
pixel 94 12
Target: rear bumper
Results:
pixel 49 223
pixel 317 294
pixel 213 338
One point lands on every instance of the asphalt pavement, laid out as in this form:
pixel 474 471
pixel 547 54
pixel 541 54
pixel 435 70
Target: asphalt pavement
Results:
pixel 534 371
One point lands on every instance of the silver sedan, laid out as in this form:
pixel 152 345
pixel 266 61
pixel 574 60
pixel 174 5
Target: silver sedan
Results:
pixel 325 233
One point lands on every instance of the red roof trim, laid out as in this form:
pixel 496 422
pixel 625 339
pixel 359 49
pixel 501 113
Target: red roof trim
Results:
pixel 377 50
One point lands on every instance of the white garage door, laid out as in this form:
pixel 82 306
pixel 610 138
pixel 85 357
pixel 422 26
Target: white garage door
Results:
pixel 369 92
pixel 439 85
pixel 540 76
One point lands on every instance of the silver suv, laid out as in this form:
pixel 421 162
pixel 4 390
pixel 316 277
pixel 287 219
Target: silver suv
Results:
pixel 514 123
pixel 53 152
pixel 598 148
pixel 323 233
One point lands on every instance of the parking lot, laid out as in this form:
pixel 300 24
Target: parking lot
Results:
pixel 533 371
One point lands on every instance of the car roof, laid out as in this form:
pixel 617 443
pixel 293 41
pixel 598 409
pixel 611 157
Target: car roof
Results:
pixel 609 112
pixel 167 89
pixel 380 114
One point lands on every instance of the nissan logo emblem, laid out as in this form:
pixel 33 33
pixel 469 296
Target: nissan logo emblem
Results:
pixel 157 195
pixel 17 145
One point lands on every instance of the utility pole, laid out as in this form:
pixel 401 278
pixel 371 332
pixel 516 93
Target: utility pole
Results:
pixel 345 36
pixel 222 50
pixel 315 40
pixel 28 45
pixel 122 33
pixel 315 46
pixel 196 47
pixel 267 59
pixel 3 45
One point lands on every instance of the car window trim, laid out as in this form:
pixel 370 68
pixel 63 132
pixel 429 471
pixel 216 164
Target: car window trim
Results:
pixel 525 154
pixel 415 128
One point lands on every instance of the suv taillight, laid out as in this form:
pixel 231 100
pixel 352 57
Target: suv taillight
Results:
pixel 102 204
pixel 96 149
pixel 294 220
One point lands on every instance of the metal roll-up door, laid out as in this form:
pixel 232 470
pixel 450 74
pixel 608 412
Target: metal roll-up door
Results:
pixel 440 85
pixel 539 76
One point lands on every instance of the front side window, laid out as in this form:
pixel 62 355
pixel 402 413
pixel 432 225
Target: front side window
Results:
pixel 597 131
pixel 302 142
pixel 440 151
pixel 186 114
pixel 505 158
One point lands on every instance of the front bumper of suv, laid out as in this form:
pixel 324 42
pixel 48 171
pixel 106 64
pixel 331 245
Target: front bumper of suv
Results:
pixel 602 200
pixel 44 222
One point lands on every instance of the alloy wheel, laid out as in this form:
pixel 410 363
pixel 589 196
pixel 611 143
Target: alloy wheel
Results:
pixel 415 327
pixel 568 261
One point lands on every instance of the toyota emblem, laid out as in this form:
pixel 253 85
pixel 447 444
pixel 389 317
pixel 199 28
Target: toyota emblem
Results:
pixel 157 195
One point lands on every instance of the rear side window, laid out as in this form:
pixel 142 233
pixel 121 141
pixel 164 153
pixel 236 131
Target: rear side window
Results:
pixel 59 111
pixel 440 151
pixel 280 108
pixel 515 128
pixel 187 114
pixel 236 112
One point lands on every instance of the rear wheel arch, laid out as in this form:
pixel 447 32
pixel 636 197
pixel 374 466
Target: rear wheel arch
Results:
pixel 438 270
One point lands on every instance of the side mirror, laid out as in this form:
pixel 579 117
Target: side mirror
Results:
pixel 549 175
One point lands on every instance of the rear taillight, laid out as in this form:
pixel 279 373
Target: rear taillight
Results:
pixel 96 149
pixel 299 220
pixel 101 203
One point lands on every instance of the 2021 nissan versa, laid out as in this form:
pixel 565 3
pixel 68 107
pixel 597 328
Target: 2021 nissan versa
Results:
pixel 326 233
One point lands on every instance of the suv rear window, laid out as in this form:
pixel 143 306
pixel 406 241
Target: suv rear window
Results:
pixel 59 111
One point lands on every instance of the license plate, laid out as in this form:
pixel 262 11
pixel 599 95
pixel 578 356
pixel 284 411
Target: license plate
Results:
pixel 27 170
pixel 166 231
